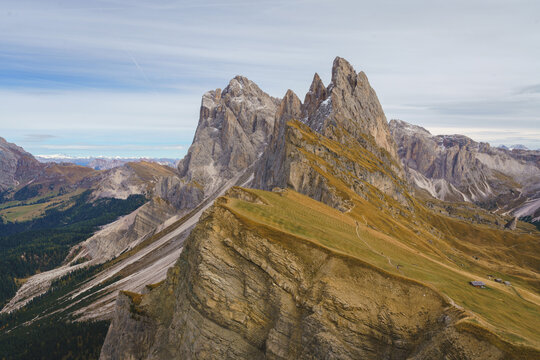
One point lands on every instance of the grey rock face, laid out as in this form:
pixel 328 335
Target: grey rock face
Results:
pixel 235 126
pixel 234 129
pixel 124 233
pixel 350 103
pixel 180 193
pixel 274 167
pixel 343 119
pixel 131 333
pixel 456 168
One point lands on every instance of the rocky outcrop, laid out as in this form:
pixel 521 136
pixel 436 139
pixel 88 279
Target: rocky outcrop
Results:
pixel 17 166
pixel 337 137
pixel 511 225
pixel 274 168
pixel 456 168
pixel 182 194
pixel 119 183
pixel 237 293
pixel 141 178
pixel 235 126
pixel 234 129
pixel 351 104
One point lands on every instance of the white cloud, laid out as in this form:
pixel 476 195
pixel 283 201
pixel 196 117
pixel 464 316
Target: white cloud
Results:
pixel 97 110
pixel 143 65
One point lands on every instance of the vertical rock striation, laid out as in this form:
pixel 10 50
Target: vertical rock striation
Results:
pixel 237 293
pixel 456 168
pixel 338 134
pixel 234 129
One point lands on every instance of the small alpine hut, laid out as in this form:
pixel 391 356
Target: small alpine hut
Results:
pixel 478 284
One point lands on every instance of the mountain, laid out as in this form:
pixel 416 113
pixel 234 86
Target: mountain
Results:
pixel 16 165
pixel 44 206
pixel 294 230
pixel 514 147
pixel 138 248
pixel 358 268
pixel 345 114
pixel 518 147
pixel 456 168
pixel 234 128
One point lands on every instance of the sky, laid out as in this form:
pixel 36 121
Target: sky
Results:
pixel 125 78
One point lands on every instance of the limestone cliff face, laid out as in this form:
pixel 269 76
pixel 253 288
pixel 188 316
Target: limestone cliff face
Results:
pixel 240 293
pixel 351 104
pixel 454 167
pixel 234 128
pixel 179 192
pixel 338 134
pixel 274 167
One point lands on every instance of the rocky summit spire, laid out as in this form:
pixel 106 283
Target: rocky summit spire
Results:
pixel 316 95
pixel 351 104
pixel 348 113
pixel 289 108
pixel 343 75
pixel 234 128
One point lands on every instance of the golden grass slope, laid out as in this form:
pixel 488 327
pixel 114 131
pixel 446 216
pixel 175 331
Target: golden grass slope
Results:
pixel 410 251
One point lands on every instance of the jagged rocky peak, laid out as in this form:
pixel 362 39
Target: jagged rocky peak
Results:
pixel 410 129
pixel 234 127
pixel 289 108
pixel 344 115
pixel 448 159
pixel 349 103
pixel 315 96
pixel 273 168
pixel 457 168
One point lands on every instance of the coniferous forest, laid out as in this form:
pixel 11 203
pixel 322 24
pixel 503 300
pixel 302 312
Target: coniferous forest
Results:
pixel 39 245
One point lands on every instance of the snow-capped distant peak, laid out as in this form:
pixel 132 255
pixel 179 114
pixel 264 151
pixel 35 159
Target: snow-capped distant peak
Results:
pixel 518 147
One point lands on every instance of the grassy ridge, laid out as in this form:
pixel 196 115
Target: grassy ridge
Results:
pixel 362 233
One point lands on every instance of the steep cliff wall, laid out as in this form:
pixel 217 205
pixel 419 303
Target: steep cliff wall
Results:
pixel 338 138
pixel 234 128
pixel 244 291
pixel 456 168
pixel 281 277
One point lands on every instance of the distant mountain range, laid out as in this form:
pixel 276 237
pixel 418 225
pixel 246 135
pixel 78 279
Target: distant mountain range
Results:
pixel 514 147
pixel 101 162
pixel 457 168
